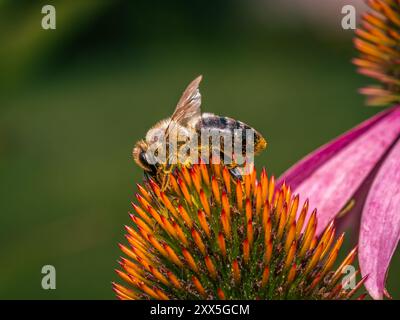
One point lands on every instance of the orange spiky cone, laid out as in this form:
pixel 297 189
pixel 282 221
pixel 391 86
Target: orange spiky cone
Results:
pixel 216 238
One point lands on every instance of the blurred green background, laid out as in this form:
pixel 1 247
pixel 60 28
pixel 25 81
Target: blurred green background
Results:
pixel 74 100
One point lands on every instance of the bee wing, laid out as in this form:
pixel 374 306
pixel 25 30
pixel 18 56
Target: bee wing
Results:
pixel 188 107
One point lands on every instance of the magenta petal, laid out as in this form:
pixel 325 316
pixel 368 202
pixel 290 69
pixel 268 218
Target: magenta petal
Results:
pixel 330 176
pixel 380 224
pixel 304 168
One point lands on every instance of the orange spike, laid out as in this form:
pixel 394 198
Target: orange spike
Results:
pixel 328 244
pixel 314 242
pixel 168 227
pixel 236 271
pixel 347 261
pixel 124 290
pixel 142 214
pixel 220 294
pixel 210 267
pixel 168 204
pixel 135 276
pixel 226 205
pixel 358 286
pixel 291 274
pixel 246 250
pixel 306 242
pixel 174 280
pixel 267 231
pixel 159 276
pixel 185 216
pixel 185 191
pixel 311 223
pixel 279 202
pixel 203 222
pixel 198 286
pixel 140 223
pixel 132 241
pixel 239 195
pixel 125 277
pixel 264 185
pixel 250 232
pixel 390 13
pixel 136 236
pixel 247 185
pixel 315 257
pixel 265 277
pixel 161 295
pixel 249 211
pixel 172 255
pixel 144 192
pixel 186 176
pixel 204 202
pixel 197 239
pixel 144 233
pixel 258 199
pixel 291 234
pixel 217 169
pixel 301 219
pixel 282 222
pixel 265 214
pixel 127 251
pixel 180 233
pixel 290 255
pixel 155 187
pixel 268 252
pixel 271 189
pixel 293 209
pixel 143 202
pixel 174 184
pixel 253 177
pixel 196 178
pixel 204 173
pixel 327 233
pixel 131 264
pixel 329 262
pixel 288 195
pixel 154 214
pixel 314 283
pixel 189 259
pixel 215 190
pixel 227 179
pixel 226 224
pixel 221 244
pixel 122 296
pixel 142 255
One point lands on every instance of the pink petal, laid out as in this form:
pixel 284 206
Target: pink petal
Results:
pixel 380 224
pixel 331 175
pixel 304 168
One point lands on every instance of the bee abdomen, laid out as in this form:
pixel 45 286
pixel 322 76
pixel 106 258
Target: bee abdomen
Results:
pixel 228 125
pixel 212 121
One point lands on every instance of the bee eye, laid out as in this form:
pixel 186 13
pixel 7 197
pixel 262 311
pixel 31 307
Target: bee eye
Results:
pixel 143 158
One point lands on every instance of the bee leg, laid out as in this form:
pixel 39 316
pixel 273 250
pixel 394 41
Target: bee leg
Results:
pixel 165 182
pixel 165 177
pixel 236 174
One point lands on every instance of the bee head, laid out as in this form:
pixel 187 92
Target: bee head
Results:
pixel 139 156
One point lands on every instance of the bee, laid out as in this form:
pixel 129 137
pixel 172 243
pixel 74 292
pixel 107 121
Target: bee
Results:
pixel 186 124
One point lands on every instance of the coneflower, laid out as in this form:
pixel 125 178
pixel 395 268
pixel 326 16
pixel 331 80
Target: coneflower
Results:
pixel 378 42
pixel 211 237
pixel 362 166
